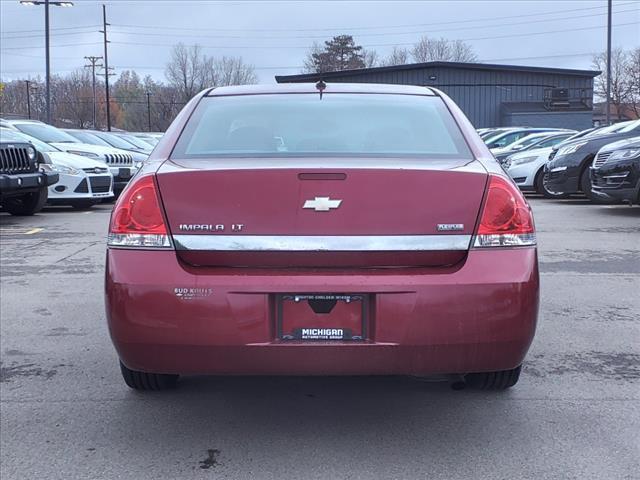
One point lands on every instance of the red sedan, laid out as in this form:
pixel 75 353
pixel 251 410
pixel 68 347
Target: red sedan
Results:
pixel 342 229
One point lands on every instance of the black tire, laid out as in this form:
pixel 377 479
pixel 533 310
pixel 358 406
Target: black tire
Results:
pixel 585 186
pixel 26 204
pixel 83 204
pixel 148 381
pixel 541 188
pixel 500 380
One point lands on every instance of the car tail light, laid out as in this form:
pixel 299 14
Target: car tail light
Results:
pixel 137 219
pixel 506 219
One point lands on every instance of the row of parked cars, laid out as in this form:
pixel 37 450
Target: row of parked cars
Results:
pixel 603 163
pixel 42 164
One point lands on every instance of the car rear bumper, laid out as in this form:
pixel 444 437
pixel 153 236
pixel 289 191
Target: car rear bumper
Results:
pixel 479 316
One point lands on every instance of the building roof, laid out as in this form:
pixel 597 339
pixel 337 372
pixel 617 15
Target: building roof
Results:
pixel 313 77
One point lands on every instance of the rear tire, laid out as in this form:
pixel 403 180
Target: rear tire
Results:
pixel 148 381
pixel 541 188
pixel 500 380
pixel 82 204
pixel 26 204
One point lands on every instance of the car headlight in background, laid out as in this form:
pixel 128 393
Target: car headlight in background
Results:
pixel 84 154
pixel 570 148
pixel 66 170
pixel 624 154
pixel 31 152
pixel 523 160
pixel 138 165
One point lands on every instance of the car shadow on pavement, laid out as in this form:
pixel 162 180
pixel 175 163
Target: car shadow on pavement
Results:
pixel 619 210
pixel 302 404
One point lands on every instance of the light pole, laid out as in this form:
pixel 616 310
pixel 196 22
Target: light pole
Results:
pixel 30 87
pixel 609 7
pixel 46 4
pixel 93 63
pixel 149 110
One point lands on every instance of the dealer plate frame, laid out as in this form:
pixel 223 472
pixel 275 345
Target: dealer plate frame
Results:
pixel 364 315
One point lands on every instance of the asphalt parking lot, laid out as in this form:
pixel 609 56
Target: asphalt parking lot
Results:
pixel 66 413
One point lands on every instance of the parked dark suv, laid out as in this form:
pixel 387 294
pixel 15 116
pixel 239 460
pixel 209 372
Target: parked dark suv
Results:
pixel 23 179
pixel 615 174
pixel 567 170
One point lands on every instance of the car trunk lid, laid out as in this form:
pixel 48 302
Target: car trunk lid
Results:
pixel 356 213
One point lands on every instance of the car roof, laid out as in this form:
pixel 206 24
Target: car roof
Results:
pixel 285 88
pixel 21 120
pixel 548 133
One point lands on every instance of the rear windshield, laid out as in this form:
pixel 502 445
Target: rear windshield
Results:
pixel 336 125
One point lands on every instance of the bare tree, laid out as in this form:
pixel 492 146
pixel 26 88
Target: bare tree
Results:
pixel 434 49
pixel 13 98
pixel 309 63
pixel 398 56
pixel 187 70
pixel 190 71
pixel 370 58
pixel 633 66
pixel 73 99
pixel 231 71
pixel 621 78
pixel 462 52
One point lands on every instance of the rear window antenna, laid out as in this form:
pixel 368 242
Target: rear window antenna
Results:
pixel 320 86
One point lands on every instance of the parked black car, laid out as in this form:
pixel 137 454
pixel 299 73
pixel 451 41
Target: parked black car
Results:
pixel 567 170
pixel 615 174
pixel 23 178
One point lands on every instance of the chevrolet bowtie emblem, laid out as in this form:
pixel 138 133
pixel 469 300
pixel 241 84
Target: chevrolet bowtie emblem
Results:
pixel 322 204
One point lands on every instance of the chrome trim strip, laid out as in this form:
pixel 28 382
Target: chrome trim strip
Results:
pixel 318 243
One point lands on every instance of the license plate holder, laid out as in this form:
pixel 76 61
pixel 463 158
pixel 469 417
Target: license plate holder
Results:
pixel 321 317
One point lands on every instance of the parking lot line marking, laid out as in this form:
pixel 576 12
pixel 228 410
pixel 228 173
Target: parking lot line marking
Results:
pixel 33 230
pixel 18 230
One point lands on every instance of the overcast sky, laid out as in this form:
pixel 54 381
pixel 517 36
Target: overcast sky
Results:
pixel 274 36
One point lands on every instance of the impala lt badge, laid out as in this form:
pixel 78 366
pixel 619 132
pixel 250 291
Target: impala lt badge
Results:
pixel 450 227
pixel 322 204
